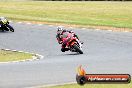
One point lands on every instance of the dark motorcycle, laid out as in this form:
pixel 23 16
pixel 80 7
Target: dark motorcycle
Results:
pixel 4 25
pixel 72 43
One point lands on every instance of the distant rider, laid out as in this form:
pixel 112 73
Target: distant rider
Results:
pixel 1 24
pixel 60 32
pixel 3 19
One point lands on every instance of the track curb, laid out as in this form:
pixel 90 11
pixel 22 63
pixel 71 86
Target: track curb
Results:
pixel 111 29
pixel 34 56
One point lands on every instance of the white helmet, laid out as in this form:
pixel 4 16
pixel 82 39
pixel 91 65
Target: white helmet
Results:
pixel 59 29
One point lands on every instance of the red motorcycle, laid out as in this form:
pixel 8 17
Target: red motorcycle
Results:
pixel 72 43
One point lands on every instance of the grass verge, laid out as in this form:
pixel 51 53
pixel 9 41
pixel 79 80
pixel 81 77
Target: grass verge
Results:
pixel 93 86
pixel 110 14
pixel 6 56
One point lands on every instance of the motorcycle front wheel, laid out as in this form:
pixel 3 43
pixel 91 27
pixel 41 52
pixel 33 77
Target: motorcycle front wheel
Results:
pixel 77 49
pixel 10 28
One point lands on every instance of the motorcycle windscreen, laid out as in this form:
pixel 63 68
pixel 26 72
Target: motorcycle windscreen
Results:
pixel 65 35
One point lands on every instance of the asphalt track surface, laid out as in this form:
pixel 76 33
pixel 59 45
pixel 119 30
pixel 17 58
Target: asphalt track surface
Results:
pixel 104 52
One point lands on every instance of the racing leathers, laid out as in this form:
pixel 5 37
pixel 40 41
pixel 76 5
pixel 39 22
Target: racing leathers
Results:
pixel 60 41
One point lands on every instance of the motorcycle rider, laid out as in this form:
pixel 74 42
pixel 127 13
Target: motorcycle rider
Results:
pixel 1 23
pixel 60 32
pixel 1 18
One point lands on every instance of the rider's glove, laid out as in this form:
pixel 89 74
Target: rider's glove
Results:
pixel 60 42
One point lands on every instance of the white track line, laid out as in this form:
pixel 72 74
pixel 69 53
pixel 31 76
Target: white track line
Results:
pixel 71 27
pixel 63 26
pixel 51 25
pixel 34 57
pixel 109 30
pixel 83 28
pixel 97 29
pixel 126 31
pixel 28 23
pixel 19 22
pixel 40 24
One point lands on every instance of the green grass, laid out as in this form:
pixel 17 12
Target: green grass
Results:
pixel 13 56
pixel 93 86
pixel 115 14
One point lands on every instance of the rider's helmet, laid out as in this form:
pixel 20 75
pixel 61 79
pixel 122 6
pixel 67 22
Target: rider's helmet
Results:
pixel 59 30
pixel 3 20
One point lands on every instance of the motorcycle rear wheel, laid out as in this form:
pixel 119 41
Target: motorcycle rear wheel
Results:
pixel 77 49
pixel 10 28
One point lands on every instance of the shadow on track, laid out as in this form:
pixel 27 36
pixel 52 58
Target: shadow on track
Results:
pixel 69 54
pixel 4 31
